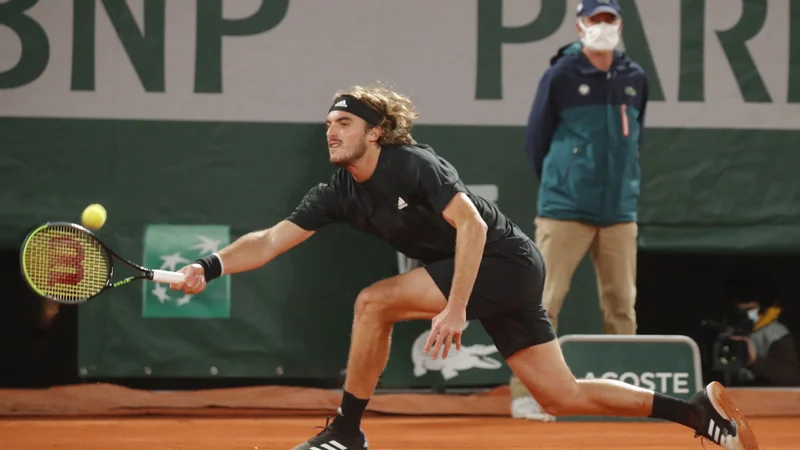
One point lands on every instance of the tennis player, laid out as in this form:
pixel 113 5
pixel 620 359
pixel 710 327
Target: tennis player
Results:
pixel 477 265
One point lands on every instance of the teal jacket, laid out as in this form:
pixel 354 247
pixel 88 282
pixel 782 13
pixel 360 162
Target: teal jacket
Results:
pixel 583 137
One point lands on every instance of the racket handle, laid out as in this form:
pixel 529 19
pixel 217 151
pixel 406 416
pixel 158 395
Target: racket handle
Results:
pixel 164 276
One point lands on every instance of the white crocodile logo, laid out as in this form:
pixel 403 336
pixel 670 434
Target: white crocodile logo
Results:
pixel 469 357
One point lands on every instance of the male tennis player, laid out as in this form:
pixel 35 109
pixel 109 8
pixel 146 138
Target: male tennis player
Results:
pixel 477 265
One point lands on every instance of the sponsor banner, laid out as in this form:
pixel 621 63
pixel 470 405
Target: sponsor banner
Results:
pixel 462 62
pixel 170 247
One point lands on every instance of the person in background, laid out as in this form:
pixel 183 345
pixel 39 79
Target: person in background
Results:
pixel 772 350
pixel 582 139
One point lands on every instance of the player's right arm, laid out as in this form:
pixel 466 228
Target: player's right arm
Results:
pixel 249 252
pixel 319 207
pixel 258 248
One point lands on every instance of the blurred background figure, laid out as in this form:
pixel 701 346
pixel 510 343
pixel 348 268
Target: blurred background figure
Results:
pixel 751 346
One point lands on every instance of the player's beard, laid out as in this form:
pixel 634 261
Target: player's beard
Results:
pixel 347 158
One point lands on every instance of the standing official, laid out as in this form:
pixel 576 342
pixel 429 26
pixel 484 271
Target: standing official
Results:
pixel 583 138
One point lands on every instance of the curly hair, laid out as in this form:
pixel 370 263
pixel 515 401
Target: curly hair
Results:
pixel 397 111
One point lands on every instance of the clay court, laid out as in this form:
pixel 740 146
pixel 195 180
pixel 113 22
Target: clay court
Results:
pixel 102 416
pixel 418 433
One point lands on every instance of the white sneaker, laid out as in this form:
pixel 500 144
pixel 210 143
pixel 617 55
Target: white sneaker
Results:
pixel 528 408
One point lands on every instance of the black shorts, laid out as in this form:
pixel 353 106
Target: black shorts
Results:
pixel 506 298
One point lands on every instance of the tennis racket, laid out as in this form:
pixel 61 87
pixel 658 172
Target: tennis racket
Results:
pixel 67 263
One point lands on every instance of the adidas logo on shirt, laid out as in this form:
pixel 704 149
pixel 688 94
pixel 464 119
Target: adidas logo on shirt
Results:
pixel 401 203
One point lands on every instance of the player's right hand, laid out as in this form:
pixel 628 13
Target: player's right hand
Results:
pixel 194 282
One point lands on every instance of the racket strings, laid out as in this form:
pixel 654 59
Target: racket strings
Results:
pixel 65 263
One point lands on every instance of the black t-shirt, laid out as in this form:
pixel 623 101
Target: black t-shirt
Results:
pixel 402 204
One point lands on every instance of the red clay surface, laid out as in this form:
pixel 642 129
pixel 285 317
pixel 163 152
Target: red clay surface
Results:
pixel 406 433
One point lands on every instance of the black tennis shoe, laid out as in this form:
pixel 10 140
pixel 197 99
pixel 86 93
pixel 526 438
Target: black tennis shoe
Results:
pixel 723 424
pixel 332 439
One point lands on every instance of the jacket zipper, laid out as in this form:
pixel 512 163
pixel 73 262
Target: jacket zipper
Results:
pixel 609 98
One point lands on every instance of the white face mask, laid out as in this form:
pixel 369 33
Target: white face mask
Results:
pixel 600 36
pixel 753 314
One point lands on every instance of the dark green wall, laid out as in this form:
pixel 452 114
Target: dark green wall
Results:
pixel 703 190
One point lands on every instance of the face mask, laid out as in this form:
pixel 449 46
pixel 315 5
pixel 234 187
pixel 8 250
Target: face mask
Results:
pixel 600 36
pixel 753 314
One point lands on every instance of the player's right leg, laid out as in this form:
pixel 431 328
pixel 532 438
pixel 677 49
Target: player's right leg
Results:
pixel 710 413
pixel 412 295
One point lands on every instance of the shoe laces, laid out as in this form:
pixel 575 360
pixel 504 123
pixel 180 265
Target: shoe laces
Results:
pixel 326 427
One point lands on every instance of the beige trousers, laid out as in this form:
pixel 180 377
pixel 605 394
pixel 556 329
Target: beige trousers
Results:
pixel 563 245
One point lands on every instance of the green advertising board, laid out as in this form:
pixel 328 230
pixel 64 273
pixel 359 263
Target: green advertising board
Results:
pixel 170 247
pixel 663 363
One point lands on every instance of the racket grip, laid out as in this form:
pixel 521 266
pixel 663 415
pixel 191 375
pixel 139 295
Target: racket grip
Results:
pixel 164 276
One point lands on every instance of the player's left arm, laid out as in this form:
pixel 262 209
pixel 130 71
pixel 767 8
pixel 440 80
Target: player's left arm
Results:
pixel 471 230
pixel 436 182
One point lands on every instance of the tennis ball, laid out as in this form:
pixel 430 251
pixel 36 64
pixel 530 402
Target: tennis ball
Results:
pixel 94 216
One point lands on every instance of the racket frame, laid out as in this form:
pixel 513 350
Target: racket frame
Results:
pixel 146 274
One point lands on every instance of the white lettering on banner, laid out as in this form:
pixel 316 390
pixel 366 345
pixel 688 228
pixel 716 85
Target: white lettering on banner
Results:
pixel 280 61
pixel 664 382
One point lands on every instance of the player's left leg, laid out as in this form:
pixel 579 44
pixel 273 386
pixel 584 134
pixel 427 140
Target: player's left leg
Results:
pixel 412 295
pixel 710 413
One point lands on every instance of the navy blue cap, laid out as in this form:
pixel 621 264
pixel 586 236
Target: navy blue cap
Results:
pixel 589 8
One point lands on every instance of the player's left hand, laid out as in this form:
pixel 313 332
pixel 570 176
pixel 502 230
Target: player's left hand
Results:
pixel 446 327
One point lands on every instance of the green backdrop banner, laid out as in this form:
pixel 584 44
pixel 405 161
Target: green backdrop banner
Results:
pixel 292 318
pixel 191 138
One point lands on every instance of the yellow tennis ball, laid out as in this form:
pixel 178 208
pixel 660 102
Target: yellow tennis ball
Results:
pixel 94 216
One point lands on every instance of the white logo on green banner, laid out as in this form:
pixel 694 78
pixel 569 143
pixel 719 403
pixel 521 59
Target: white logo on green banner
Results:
pixel 170 247
pixel 468 358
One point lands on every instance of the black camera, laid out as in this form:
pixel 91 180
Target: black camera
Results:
pixel 728 356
